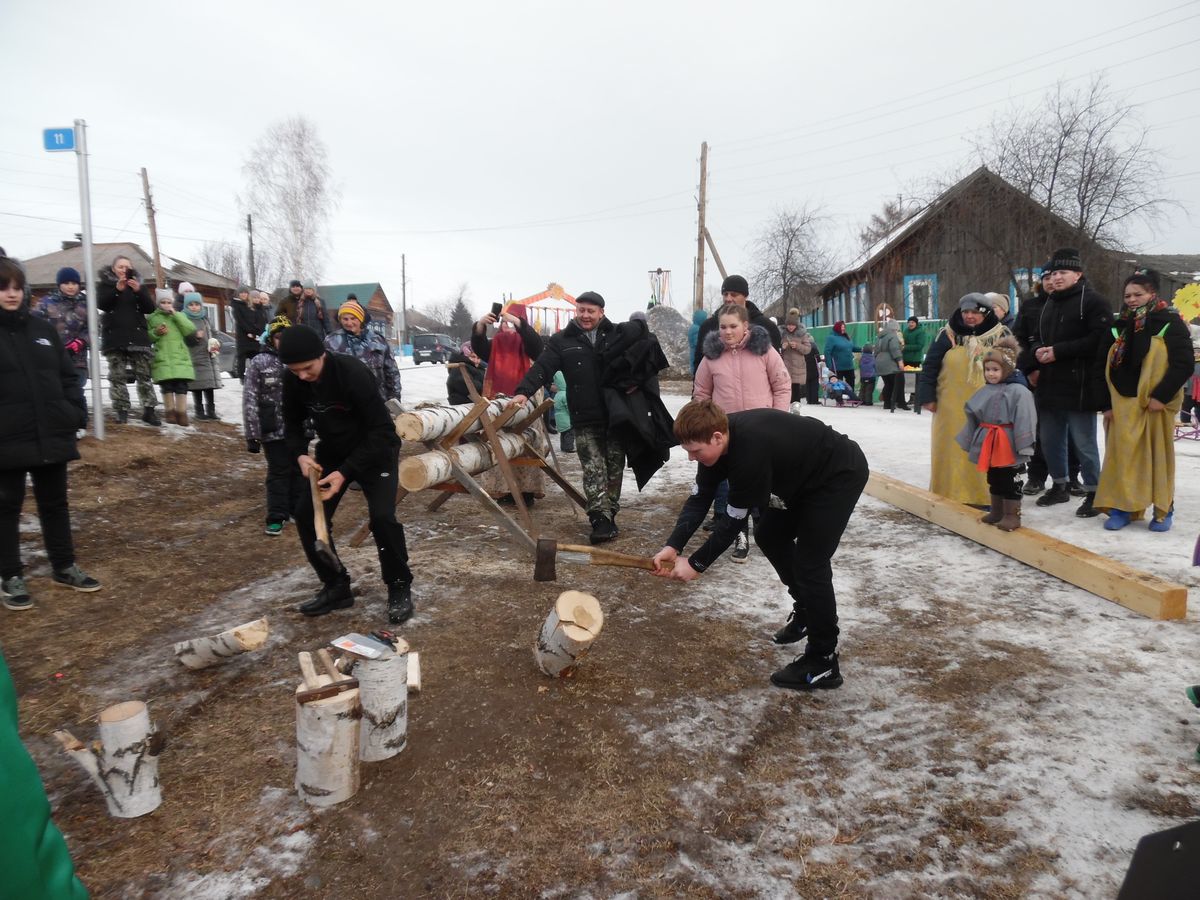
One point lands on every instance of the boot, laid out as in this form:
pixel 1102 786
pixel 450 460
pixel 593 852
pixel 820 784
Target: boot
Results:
pixel 1011 519
pixel 151 418
pixel 336 595
pixel 169 410
pixel 181 413
pixel 1086 509
pixel 199 405
pixel 211 407
pixel 603 528
pixel 792 632
pixel 400 605
pixel 997 511
pixel 1058 493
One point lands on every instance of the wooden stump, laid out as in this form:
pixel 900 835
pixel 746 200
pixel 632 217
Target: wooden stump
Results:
pixel 124 762
pixel 327 766
pixel 567 633
pixel 383 692
pixel 200 653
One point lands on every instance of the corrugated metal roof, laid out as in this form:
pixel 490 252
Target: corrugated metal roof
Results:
pixel 42 270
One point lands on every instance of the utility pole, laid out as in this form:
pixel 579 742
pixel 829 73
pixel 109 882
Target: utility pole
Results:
pixel 698 299
pixel 403 302
pixel 158 272
pixel 250 232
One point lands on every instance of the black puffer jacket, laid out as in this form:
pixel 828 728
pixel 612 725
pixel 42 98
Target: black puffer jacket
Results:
pixel 41 404
pixel 123 325
pixel 1127 374
pixel 249 322
pixel 571 352
pixel 1025 330
pixel 1073 322
pixel 456 388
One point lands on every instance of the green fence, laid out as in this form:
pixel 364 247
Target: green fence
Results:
pixel 862 333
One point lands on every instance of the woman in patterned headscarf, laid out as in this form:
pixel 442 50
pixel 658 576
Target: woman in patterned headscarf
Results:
pixel 951 373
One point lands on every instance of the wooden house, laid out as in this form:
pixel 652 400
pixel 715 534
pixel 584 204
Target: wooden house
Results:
pixel 982 234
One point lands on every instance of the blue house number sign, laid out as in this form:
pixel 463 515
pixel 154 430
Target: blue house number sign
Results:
pixel 58 139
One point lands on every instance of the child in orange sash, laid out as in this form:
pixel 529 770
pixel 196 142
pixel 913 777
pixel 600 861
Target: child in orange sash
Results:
pixel 1000 431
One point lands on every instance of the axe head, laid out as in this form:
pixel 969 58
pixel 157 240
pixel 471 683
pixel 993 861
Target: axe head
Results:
pixel 327 555
pixel 544 560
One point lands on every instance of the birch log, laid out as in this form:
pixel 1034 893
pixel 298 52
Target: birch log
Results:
pixel 327 747
pixel 200 653
pixel 433 422
pixel 124 762
pixel 424 470
pixel 383 692
pixel 567 633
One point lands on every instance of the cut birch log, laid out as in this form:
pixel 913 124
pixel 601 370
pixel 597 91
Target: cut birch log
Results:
pixel 200 653
pixel 424 470
pixel 433 422
pixel 383 692
pixel 414 673
pixel 124 762
pixel 568 632
pixel 327 765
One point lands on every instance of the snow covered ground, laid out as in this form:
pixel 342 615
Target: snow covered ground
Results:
pixel 1088 735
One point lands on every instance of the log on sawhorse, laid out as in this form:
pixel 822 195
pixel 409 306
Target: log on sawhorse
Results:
pixel 1140 591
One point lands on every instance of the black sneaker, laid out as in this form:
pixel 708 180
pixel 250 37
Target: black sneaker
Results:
pixel 16 595
pixel 794 631
pixel 150 417
pixel 1058 493
pixel 741 548
pixel 400 605
pixel 1086 510
pixel 809 673
pixel 603 528
pixel 1033 487
pixel 1075 488
pixel 333 596
pixel 76 580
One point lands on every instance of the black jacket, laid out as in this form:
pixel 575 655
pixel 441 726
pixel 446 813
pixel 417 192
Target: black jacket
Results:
pixel 581 362
pixel 1025 330
pixel 353 426
pixel 1125 376
pixel 756 318
pixel 1073 322
pixel 41 403
pixel 931 368
pixel 249 322
pixel 456 388
pixel 636 414
pixel 123 325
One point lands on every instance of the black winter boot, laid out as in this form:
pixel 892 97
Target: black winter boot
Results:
pixel 400 605
pixel 210 406
pixel 1086 510
pixel 794 631
pixel 1058 493
pixel 150 417
pixel 197 397
pixel 336 595
pixel 603 528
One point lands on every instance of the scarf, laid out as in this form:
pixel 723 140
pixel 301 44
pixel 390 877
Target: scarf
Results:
pixel 1138 318
pixel 507 363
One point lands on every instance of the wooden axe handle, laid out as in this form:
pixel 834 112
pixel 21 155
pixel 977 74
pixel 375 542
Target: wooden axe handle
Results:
pixel 308 670
pixel 330 669
pixel 610 557
pixel 314 476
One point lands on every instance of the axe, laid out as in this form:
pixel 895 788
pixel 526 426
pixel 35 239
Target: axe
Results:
pixel 549 551
pixel 313 688
pixel 323 547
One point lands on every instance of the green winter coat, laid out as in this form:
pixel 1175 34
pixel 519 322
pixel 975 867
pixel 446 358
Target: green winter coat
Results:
pixel 562 415
pixel 33 854
pixel 916 342
pixel 172 358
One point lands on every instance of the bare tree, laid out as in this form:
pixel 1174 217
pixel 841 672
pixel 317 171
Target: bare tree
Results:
pixel 224 258
pixel 1083 154
pixel 289 190
pixel 893 214
pixel 789 259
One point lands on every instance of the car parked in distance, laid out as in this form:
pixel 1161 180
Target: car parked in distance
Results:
pixel 433 348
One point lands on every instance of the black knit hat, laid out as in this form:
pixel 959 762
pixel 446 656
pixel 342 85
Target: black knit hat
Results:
pixel 1068 259
pixel 300 344
pixel 590 297
pixel 295 282
pixel 735 284
pixel 914 319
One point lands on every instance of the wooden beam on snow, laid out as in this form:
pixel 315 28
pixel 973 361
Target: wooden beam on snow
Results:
pixel 1140 591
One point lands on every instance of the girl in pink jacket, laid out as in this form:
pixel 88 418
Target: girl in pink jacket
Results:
pixel 740 369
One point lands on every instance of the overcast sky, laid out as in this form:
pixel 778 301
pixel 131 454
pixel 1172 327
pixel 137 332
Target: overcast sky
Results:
pixel 508 145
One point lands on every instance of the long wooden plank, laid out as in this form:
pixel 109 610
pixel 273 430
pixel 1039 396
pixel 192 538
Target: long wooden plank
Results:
pixel 1140 591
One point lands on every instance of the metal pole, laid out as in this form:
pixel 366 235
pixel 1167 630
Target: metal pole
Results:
pixel 89 274
pixel 403 303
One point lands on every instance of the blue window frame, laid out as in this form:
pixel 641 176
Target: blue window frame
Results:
pixel 921 296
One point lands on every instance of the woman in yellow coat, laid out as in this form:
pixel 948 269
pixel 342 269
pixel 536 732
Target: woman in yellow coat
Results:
pixel 951 373
pixel 1148 357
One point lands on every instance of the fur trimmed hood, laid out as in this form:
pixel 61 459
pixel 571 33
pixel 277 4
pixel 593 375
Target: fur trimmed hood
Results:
pixel 758 342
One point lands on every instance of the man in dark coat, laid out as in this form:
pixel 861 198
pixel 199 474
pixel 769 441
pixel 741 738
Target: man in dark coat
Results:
pixel 124 340
pixel 1069 329
pixel 249 320
pixel 470 366
pixel 357 441
pixel 801 481
pixel 578 351
pixel 41 407
pixel 735 290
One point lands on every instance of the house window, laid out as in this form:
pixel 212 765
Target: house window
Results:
pixel 921 296
pixel 1022 287
pixel 210 312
